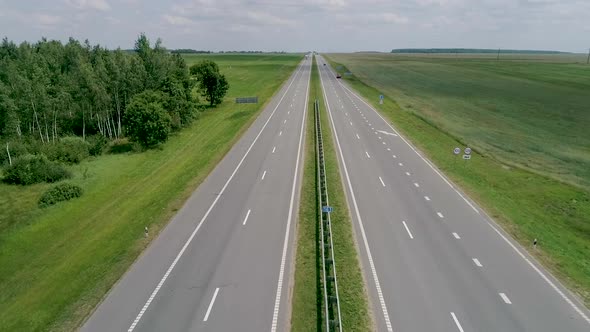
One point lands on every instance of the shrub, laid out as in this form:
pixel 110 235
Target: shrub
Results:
pixel 97 144
pixel 31 169
pixel 70 150
pixel 146 121
pixel 59 193
pixel 16 148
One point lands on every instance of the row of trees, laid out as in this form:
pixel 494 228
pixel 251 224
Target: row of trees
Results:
pixel 50 90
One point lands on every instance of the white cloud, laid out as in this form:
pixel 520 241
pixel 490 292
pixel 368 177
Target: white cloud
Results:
pixel 339 25
pixel 177 20
pixel 391 18
pixel 89 4
pixel 262 18
pixel 45 19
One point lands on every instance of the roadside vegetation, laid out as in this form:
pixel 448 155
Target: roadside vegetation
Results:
pixel 62 246
pixel 527 122
pixel 307 313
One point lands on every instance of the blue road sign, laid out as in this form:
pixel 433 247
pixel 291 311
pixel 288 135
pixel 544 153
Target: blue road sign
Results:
pixel 381 97
pixel 327 209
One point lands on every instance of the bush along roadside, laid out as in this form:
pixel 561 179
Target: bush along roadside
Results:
pixel 59 193
pixel 30 169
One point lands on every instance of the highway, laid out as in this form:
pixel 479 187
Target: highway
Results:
pixel 432 259
pixel 224 262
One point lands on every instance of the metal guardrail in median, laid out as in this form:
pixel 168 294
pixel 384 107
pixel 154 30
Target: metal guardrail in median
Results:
pixel 331 302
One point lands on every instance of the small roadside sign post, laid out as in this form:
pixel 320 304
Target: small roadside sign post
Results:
pixel 466 153
pixel 380 99
pixel 456 151
pixel 327 209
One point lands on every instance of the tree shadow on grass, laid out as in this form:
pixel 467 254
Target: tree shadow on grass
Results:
pixel 238 115
pixel 122 146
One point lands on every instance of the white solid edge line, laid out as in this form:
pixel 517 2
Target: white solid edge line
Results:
pixel 505 298
pixel 457 322
pixel 407 229
pixel 358 217
pixel 211 304
pixel 540 273
pixel 456 236
pixel 275 315
pixel 476 261
pixel 383 183
pixel 191 237
pixel 246 219
pixel 551 284
pixel 412 147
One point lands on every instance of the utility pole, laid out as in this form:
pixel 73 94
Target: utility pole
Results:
pixel 498 57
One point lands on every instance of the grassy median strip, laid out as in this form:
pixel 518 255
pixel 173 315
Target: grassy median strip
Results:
pixel 307 310
pixel 56 264
pixel 526 204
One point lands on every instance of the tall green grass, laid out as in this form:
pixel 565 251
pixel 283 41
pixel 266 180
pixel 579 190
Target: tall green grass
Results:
pixel 56 264
pixel 527 204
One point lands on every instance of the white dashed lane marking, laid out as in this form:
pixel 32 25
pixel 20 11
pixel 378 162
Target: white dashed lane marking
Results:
pixel 246 219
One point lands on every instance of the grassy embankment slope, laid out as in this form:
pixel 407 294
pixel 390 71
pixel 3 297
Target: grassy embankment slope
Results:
pixel 57 263
pixel 528 123
pixel 307 312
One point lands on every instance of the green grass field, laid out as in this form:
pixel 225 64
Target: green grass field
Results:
pixel 528 124
pixel 307 312
pixel 532 114
pixel 56 264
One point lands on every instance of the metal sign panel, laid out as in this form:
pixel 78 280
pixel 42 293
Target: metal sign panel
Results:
pixel 467 150
pixel 247 100
pixel 466 156
pixel 327 209
pixel 457 150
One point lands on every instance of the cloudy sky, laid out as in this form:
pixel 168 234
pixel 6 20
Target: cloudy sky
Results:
pixel 299 25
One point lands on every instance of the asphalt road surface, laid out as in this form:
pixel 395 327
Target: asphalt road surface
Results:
pixel 432 259
pixel 224 262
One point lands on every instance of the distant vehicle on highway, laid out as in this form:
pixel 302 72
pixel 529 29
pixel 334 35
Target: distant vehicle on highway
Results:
pixel 324 64
pixel 338 76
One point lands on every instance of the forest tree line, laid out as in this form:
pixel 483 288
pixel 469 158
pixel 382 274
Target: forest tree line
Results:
pixel 50 90
pixel 471 50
